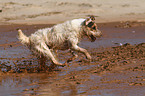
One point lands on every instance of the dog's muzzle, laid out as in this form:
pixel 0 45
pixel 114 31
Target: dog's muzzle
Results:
pixel 95 35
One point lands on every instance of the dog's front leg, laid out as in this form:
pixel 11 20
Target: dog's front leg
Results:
pixel 73 57
pixel 82 50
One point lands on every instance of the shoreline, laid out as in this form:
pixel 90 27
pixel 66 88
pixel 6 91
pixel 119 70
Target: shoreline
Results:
pixel 58 22
pixel 54 23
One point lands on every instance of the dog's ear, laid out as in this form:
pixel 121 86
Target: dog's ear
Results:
pixel 90 23
pixel 92 18
pixel 89 20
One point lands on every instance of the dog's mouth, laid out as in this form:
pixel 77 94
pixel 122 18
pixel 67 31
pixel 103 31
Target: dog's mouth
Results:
pixel 93 38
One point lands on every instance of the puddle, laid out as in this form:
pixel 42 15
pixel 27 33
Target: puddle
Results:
pixel 107 42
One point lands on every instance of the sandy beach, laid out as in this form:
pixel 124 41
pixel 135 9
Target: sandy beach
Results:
pixel 56 11
pixel 118 57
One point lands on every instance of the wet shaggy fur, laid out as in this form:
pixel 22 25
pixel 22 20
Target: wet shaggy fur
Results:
pixel 59 37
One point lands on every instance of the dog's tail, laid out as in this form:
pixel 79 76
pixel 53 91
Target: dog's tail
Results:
pixel 23 38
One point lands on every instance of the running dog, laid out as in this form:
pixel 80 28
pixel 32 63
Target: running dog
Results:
pixel 62 36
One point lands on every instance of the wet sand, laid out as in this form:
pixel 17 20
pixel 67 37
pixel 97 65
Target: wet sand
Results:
pixel 117 68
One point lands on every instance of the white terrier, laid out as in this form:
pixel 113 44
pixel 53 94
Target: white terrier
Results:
pixel 61 37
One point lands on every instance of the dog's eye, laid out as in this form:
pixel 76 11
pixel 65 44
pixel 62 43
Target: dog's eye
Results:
pixel 94 28
pixel 90 24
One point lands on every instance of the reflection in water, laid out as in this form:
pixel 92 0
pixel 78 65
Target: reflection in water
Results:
pixel 71 91
pixel 17 83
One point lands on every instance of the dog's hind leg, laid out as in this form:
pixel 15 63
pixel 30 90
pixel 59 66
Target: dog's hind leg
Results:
pixel 43 49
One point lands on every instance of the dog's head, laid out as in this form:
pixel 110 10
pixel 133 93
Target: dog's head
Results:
pixel 91 30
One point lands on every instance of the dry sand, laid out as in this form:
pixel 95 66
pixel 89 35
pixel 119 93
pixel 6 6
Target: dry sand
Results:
pixel 56 11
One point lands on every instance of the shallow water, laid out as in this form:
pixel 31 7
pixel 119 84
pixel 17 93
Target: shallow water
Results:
pixel 26 83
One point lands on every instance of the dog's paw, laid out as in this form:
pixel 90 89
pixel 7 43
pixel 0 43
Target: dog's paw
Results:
pixel 60 64
pixel 89 57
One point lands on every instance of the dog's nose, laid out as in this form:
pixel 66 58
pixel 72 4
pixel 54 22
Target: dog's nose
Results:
pixel 101 33
pixel 98 33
